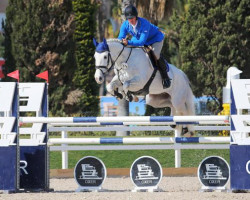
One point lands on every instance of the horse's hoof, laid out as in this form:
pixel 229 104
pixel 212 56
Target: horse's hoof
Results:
pixel 184 130
pixel 173 126
pixel 118 95
pixel 189 134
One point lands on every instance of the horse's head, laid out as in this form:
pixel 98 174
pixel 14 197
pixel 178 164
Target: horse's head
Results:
pixel 103 61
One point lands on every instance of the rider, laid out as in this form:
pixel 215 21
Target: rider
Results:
pixel 144 33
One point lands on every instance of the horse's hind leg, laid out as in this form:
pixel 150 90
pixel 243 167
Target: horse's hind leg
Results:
pixel 173 113
pixel 181 110
pixel 178 128
pixel 161 101
pixel 190 108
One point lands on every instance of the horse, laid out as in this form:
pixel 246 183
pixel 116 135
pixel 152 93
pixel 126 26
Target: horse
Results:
pixel 135 75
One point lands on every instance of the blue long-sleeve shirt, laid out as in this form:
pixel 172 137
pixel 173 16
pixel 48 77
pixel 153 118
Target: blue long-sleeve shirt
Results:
pixel 145 34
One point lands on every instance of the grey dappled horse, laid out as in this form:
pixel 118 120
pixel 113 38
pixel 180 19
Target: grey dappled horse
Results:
pixel 133 69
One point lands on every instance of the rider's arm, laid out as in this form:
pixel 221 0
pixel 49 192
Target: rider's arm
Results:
pixel 123 31
pixel 143 37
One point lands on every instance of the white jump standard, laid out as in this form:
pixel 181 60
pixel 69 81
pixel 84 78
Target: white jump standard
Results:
pixel 9 145
pixel 30 156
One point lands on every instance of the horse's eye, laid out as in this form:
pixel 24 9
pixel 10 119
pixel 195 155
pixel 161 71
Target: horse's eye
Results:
pixel 105 57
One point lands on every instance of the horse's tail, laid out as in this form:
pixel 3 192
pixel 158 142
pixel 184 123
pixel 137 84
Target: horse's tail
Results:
pixel 190 97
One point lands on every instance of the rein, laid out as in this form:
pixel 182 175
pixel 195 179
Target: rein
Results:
pixel 144 90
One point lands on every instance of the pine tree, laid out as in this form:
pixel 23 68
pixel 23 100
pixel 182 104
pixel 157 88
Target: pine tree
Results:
pixel 84 12
pixel 215 36
pixel 39 37
pixel 1 45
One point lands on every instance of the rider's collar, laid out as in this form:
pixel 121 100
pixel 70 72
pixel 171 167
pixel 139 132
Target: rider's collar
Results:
pixel 136 27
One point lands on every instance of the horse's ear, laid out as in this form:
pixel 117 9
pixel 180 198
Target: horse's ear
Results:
pixel 105 44
pixel 105 41
pixel 95 42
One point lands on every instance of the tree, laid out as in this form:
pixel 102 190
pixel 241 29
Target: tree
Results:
pixel 1 45
pixel 215 36
pixel 84 75
pixel 39 37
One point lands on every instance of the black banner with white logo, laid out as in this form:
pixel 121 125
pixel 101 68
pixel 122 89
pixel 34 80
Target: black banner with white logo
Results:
pixel 90 172
pixel 213 172
pixel 146 171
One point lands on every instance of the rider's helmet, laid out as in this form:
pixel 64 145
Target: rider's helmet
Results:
pixel 131 12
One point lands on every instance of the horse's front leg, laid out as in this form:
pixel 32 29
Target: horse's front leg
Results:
pixel 127 85
pixel 114 87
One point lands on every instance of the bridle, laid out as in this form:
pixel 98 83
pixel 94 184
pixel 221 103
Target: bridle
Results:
pixel 102 68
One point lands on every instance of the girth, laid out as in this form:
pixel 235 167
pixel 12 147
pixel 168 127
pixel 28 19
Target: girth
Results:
pixel 145 90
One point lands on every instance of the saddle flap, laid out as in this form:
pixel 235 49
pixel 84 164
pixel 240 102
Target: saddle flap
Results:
pixel 151 55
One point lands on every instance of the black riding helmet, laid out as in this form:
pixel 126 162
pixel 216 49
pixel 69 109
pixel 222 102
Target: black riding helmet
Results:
pixel 131 12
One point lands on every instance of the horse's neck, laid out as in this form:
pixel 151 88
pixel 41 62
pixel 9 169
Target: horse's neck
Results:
pixel 121 54
pixel 137 59
pixel 118 52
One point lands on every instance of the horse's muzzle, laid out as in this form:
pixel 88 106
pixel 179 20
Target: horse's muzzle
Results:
pixel 99 80
pixel 99 76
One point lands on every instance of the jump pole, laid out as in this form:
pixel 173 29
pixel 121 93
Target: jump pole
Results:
pixel 139 140
pixel 182 119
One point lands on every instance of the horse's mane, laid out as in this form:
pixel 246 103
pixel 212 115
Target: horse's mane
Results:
pixel 116 40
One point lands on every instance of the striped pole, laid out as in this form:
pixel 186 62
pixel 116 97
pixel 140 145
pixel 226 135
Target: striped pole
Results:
pixel 136 123
pixel 139 140
pixel 177 119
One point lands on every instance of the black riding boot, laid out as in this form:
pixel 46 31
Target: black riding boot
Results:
pixel 166 81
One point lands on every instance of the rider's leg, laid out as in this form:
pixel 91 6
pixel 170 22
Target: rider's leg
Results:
pixel 164 74
pixel 161 64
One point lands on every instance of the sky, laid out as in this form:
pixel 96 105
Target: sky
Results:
pixel 132 105
pixel 140 104
pixel 2 16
